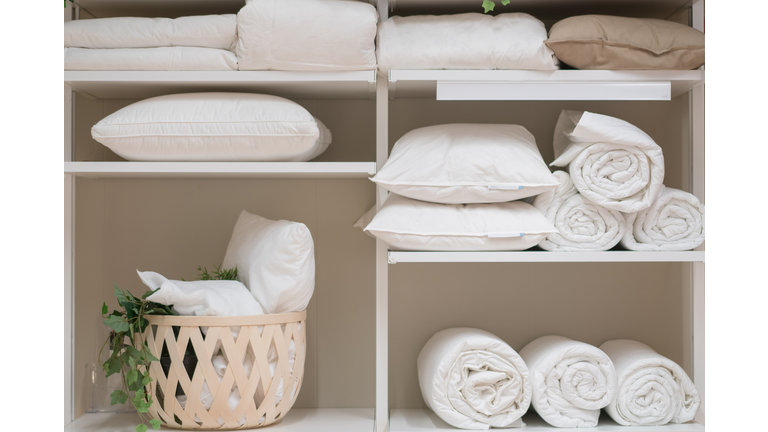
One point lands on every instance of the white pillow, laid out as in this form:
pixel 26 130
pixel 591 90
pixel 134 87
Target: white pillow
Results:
pixel 212 127
pixel 307 35
pixel 408 224
pixel 466 163
pixel 275 260
pixel 464 41
pixel 208 31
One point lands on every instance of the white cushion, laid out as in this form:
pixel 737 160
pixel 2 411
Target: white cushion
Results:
pixel 275 260
pixel 210 31
pixel 212 127
pixel 306 35
pixel 150 59
pixel 466 163
pixel 408 224
pixel 464 41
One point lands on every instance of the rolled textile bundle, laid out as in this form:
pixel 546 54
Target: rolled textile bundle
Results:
pixel 653 390
pixel 473 380
pixel 571 380
pixel 612 163
pixel 675 221
pixel 581 224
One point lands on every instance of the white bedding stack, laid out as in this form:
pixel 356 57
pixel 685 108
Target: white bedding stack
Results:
pixel 571 380
pixel 675 221
pixel 473 380
pixel 653 390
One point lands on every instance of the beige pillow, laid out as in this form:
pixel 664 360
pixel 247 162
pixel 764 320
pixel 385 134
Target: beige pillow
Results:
pixel 611 42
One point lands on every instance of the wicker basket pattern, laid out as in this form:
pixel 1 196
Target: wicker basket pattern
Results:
pixel 256 335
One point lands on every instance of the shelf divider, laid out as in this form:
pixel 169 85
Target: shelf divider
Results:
pixel 544 256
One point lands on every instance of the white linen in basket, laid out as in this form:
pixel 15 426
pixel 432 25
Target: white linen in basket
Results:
pixel 571 380
pixel 473 380
pixel 150 59
pixel 407 224
pixel 653 390
pixel 464 41
pixel 466 163
pixel 275 260
pixel 206 31
pixel 581 224
pixel 213 127
pixel 307 35
pixel 675 221
pixel 612 162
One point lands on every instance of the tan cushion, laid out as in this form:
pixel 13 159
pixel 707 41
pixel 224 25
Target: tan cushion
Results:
pixel 611 42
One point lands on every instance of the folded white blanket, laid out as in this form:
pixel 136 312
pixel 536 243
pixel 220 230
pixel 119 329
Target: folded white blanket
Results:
pixel 581 224
pixel 473 380
pixel 210 31
pixel 675 221
pixel 464 41
pixel 612 163
pixel 150 59
pixel 653 390
pixel 571 380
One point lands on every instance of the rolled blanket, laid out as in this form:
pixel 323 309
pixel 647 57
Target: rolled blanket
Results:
pixel 675 221
pixel 581 224
pixel 473 380
pixel 571 380
pixel 612 163
pixel 653 390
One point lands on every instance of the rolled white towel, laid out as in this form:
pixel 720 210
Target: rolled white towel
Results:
pixel 612 162
pixel 675 221
pixel 653 390
pixel 581 224
pixel 473 380
pixel 571 380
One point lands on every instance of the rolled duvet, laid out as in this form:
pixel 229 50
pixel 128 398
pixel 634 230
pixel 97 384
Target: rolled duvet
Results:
pixel 612 162
pixel 653 390
pixel 473 380
pixel 571 380
pixel 675 221
pixel 581 224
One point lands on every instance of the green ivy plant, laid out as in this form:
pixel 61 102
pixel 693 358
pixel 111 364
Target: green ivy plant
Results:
pixel 488 5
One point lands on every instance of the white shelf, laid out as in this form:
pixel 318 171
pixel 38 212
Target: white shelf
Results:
pixel 221 169
pixel 297 420
pixel 542 85
pixel 289 84
pixel 543 256
pixel 424 420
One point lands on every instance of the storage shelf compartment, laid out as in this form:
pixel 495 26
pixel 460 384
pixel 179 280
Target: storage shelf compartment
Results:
pixel 297 420
pixel 289 84
pixel 221 169
pixel 542 85
pixel 424 420
pixel 544 256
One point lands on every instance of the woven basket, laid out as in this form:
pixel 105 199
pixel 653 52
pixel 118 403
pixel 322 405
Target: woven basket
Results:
pixel 257 334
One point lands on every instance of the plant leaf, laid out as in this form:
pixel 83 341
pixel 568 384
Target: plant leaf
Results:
pixel 119 397
pixel 118 323
pixel 488 5
pixel 149 357
pixel 156 423
pixel 146 380
pixel 505 2
pixel 132 376
pixel 104 309
pixel 120 296
pixel 133 352
pixel 141 428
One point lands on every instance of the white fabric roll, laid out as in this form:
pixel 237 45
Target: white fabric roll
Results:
pixel 571 380
pixel 653 390
pixel 150 59
pixel 581 224
pixel 464 41
pixel 612 162
pixel 207 31
pixel 473 380
pixel 675 221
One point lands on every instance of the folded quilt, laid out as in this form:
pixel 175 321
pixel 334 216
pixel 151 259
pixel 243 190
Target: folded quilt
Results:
pixel 581 224
pixel 210 31
pixel 150 59
pixel 675 221
pixel 473 380
pixel 653 390
pixel 571 380
pixel 612 163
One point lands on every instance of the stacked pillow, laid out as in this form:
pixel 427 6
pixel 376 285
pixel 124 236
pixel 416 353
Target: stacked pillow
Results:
pixel 453 185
